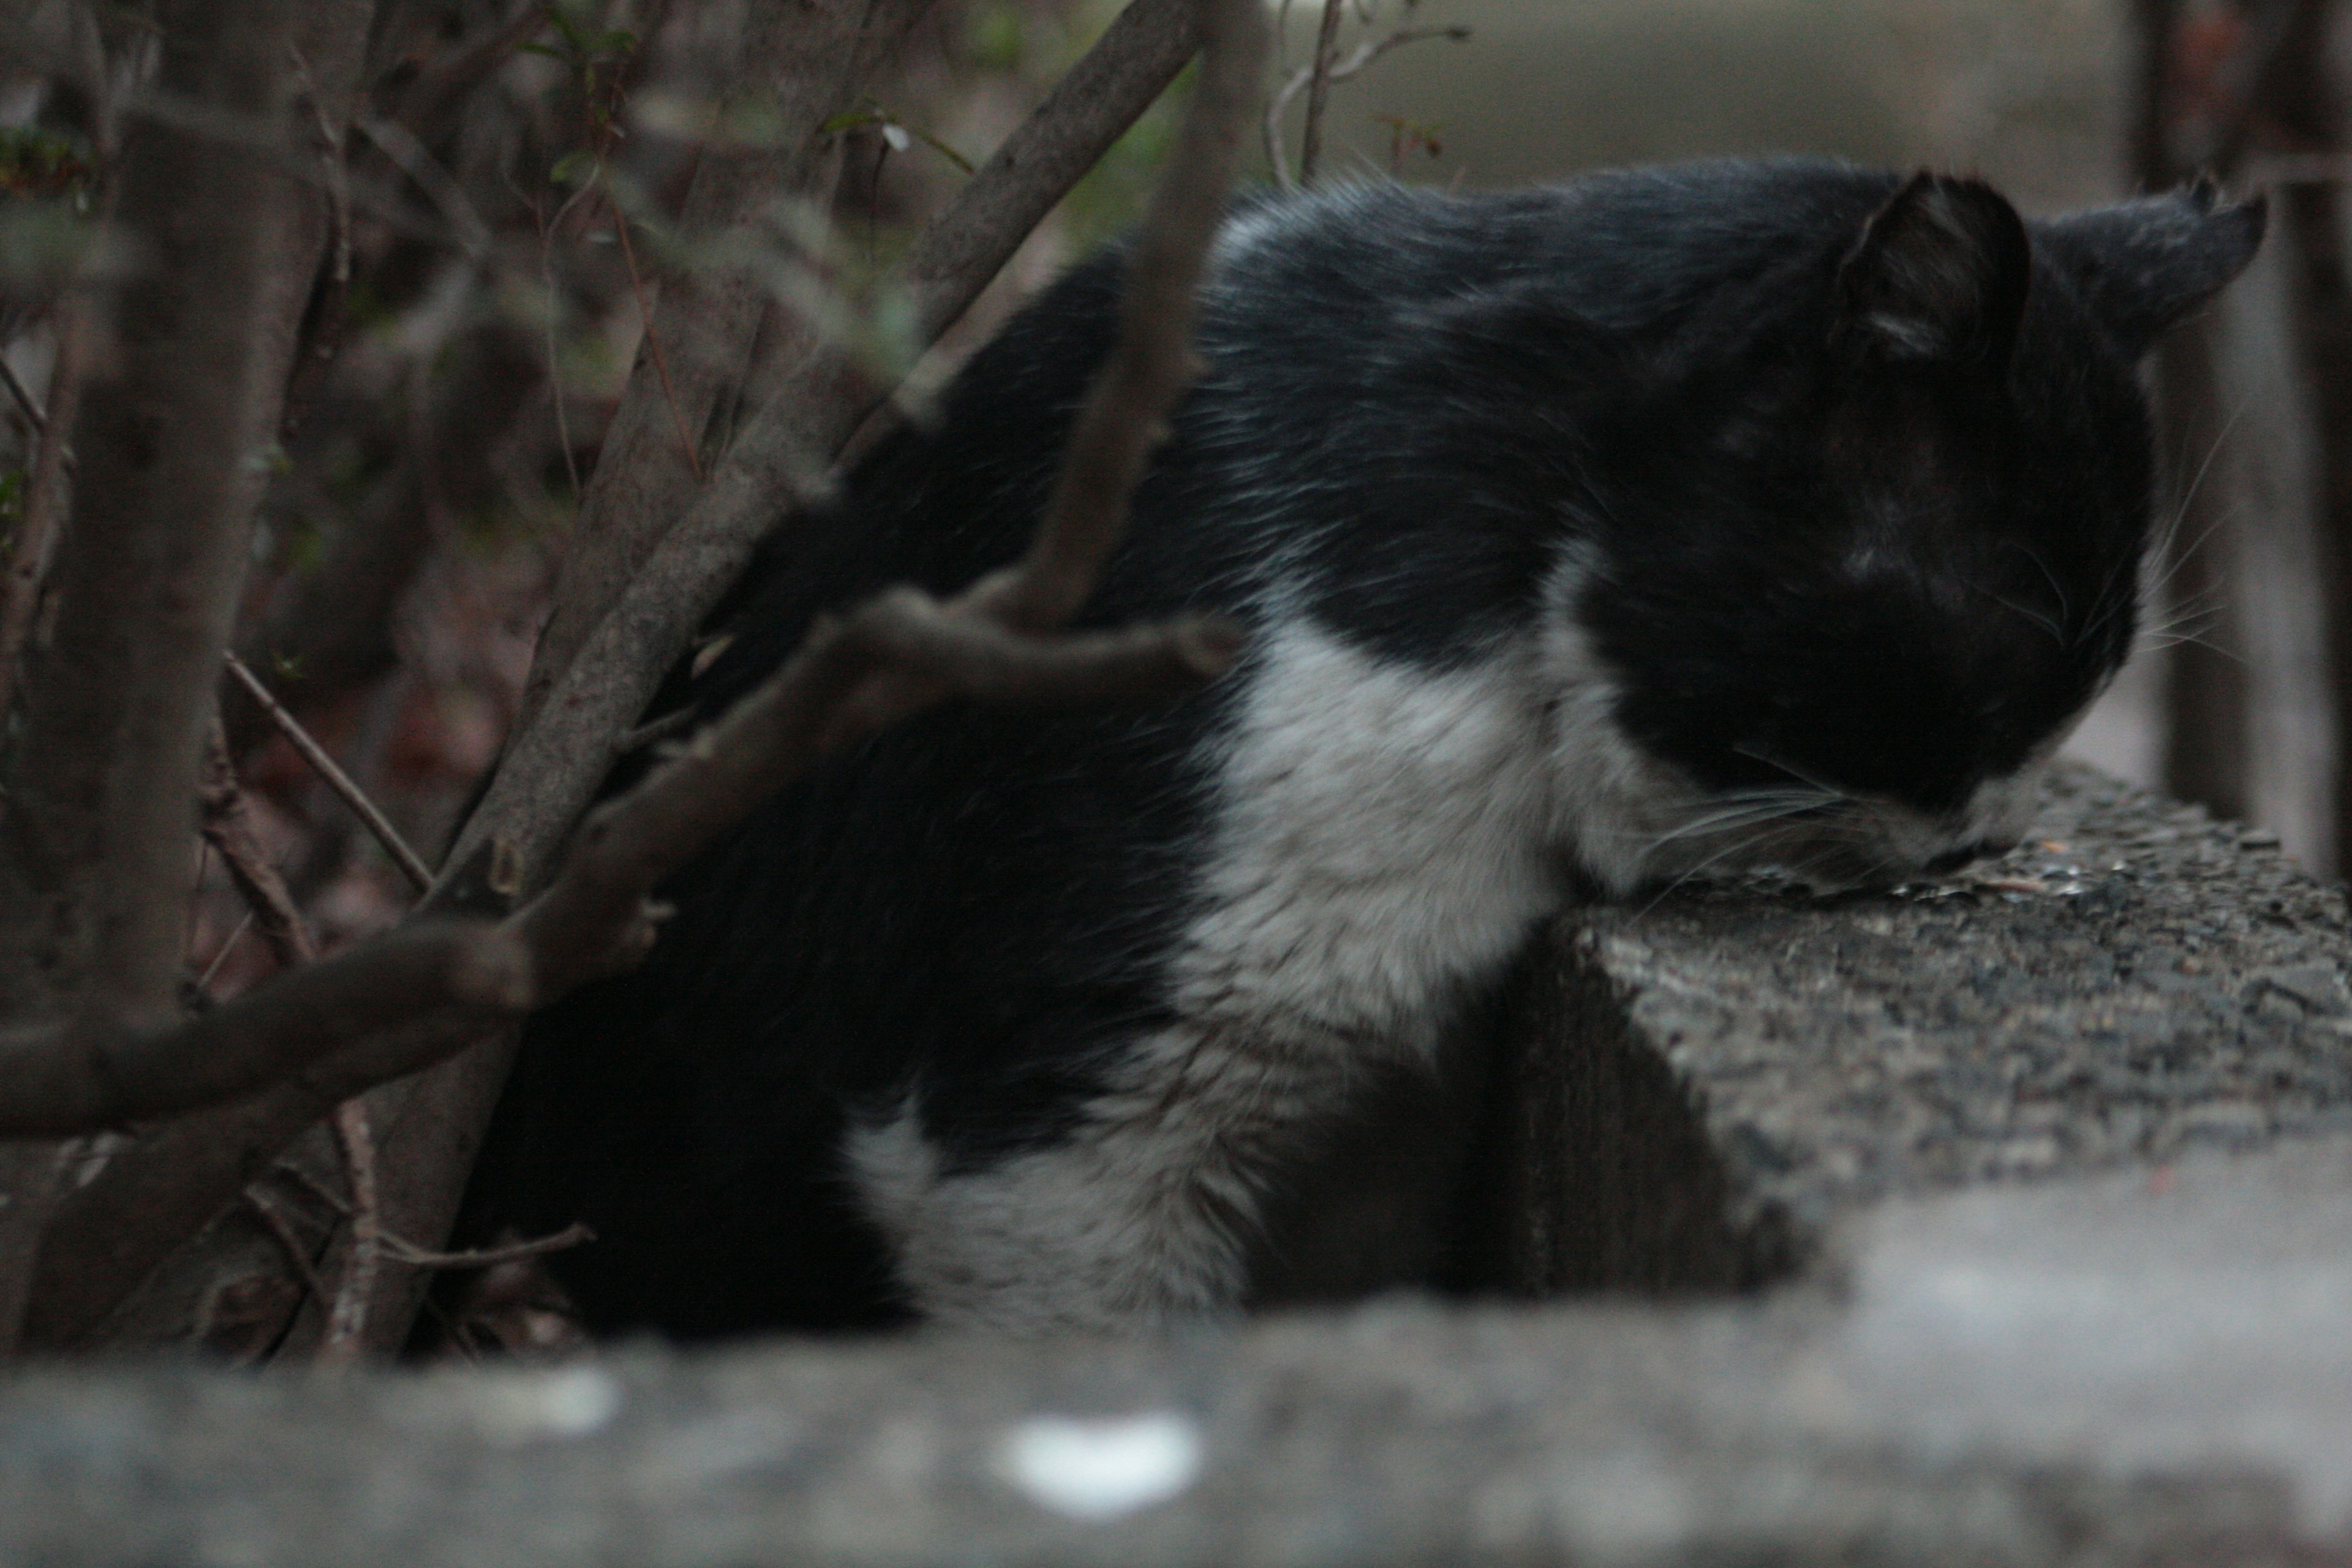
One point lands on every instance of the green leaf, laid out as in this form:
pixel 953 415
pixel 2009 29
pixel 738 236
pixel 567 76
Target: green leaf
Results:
pixel 549 50
pixel 849 119
pixel 576 168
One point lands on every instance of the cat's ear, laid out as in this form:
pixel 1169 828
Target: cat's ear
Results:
pixel 2142 266
pixel 1939 274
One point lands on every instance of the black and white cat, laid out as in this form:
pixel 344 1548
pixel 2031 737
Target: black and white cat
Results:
pixel 1730 515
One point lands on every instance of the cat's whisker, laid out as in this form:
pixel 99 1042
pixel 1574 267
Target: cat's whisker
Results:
pixel 2066 611
pixel 2188 497
pixel 2033 617
pixel 1749 812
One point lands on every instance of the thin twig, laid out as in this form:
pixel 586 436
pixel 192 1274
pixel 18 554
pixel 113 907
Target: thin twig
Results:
pixel 225 819
pixel 1318 89
pixel 31 410
pixel 1359 59
pixel 361 1017
pixel 323 324
pixel 412 158
pixel 571 1236
pixel 460 70
pixel 283 1229
pixel 36 531
pixel 346 1337
pixel 554 367
pixel 204 981
pixel 652 336
pixel 654 730
pixel 411 864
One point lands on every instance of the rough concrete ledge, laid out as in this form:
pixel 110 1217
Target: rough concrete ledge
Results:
pixel 1705 1084
pixel 2083 1374
pixel 2049 1135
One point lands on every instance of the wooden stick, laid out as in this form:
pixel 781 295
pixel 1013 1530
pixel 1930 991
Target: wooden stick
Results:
pixel 410 863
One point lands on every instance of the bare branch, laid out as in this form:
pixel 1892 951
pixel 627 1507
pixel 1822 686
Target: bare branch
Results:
pixel 412 158
pixel 804 65
pixel 99 1072
pixel 1091 106
pixel 1123 418
pixel 1358 60
pixel 392 1005
pixel 1318 89
pixel 93 863
pixel 412 865
pixel 37 534
pixel 225 819
pixel 569 1237
pixel 281 1230
pixel 35 419
pixel 452 75
pixel 345 1340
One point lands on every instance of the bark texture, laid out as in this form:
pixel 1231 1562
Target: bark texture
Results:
pixel 172 445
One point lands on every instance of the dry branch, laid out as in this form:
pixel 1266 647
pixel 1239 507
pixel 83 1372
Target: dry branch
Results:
pixel 225 817
pixel 93 864
pixel 1359 59
pixel 1319 89
pixel 393 1004
pixel 412 865
pixel 28 557
pixel 807 68
pixel 855 675
pixel 959 252
pixel 346 1333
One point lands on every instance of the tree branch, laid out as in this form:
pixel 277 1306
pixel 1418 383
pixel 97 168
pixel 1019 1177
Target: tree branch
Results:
pixel 1359 59
pixel 28 559
pixel 225 819
pixel 1318 89
pixel 412 865
pixel 804 68
pixel 961 250
pixel 93 851
pixel 389 1007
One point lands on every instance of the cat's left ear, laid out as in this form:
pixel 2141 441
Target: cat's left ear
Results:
pixel 1940 275
pixel 2144 265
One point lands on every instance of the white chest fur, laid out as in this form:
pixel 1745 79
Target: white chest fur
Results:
pixel 1382 840
pixel 1383 837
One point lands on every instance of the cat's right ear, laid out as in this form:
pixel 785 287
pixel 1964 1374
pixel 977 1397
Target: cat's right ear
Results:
pixel 1937 276
pixel 2143 266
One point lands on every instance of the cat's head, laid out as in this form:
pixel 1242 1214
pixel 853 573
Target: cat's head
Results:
pixel 1890 542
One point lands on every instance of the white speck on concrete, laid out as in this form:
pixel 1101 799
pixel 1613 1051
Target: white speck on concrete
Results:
pixel 571 1402
pixel 1101 1470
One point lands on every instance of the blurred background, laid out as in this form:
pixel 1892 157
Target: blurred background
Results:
pixel 505 238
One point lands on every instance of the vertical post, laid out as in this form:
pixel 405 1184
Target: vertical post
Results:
pixel 2309 113
pixel 2206 703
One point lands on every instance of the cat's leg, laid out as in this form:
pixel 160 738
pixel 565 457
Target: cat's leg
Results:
pixel 1142 1215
